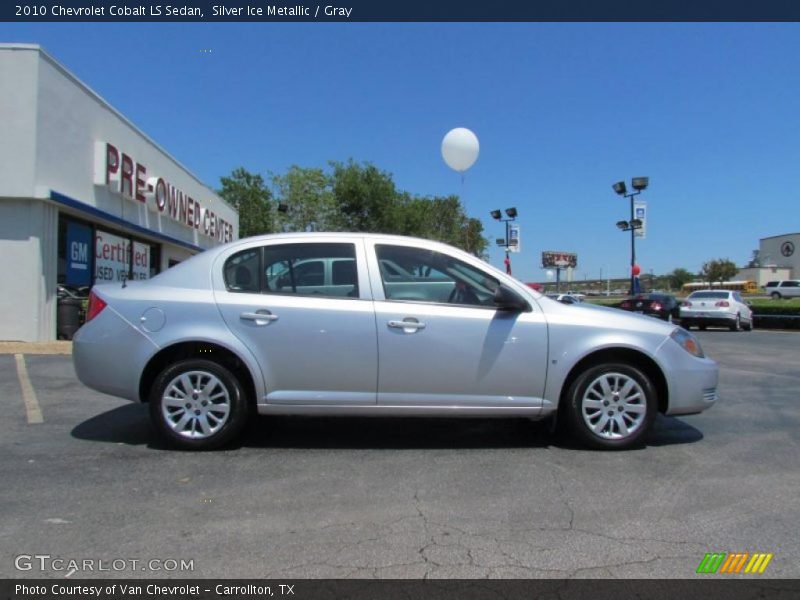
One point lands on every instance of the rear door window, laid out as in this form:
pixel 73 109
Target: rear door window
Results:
pixel 311 270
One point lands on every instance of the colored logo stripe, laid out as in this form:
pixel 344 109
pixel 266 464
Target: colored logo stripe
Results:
pixel 734 562
pixel 711 562
pixel 758 563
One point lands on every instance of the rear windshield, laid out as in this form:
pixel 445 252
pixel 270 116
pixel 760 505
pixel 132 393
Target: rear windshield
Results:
pixel 709 295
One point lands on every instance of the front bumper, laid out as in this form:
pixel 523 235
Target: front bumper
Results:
pixel 692 381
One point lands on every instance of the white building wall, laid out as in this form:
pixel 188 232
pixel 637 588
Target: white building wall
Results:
pixel 18 80
pixel 762 275
pixel 28 235
pixel 770 253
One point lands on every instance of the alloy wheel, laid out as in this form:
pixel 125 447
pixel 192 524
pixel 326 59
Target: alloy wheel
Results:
pixel 196 404
pixel 614 406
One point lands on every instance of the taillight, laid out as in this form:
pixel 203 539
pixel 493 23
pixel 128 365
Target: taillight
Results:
pixel 685 303
pixel 655 306
pixel 96 305
pixel 723 303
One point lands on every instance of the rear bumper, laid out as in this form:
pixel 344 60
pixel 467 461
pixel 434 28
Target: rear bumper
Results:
pixel 692 381
pixel 109 354
pixel 706 318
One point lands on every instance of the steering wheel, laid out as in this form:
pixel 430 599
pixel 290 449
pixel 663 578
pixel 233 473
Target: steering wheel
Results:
pixel 463 295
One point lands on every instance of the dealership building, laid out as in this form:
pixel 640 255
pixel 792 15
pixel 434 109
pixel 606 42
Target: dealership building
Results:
pixel 85 196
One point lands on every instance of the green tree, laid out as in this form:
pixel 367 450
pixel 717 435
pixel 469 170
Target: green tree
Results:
pixel 719 270
pixel 366 197
pixel 248 194
pixel 679 277
pixel 308 196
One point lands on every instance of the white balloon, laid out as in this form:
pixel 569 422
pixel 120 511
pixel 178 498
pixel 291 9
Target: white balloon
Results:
pixel 460 149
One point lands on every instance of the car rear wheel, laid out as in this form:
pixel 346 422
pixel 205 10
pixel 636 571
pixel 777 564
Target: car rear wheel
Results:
pixel 737 324
pixel 775 296
pixel 198 405
pixel 611 406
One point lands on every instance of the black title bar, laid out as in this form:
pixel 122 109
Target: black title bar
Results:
pixel 400 11
pixel 707 588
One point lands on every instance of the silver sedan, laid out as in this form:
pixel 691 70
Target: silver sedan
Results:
pixel 377 325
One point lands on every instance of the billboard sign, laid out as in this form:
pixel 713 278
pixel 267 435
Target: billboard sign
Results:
pixel 560 260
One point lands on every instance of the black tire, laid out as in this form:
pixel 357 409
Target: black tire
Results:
pixel 775 295
pixel 737 324
pixel 578 389
pixel 238 405
pixel 702 327
pixel 749 325
pixel 686 324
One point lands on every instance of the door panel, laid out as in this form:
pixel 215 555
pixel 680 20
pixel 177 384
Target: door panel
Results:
pixel 462 356
pixel 311 349
pixel 454 348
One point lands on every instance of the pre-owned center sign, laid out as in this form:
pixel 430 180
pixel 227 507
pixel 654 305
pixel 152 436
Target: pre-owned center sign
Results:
pixel 123 175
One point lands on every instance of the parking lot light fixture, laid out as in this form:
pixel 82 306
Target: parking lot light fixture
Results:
pixel 498 216
pixel 639 184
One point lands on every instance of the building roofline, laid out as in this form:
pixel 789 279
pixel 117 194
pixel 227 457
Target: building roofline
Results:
pixel 107 105
pixel 771 237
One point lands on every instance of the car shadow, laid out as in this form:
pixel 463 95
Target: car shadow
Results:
pixel 668 431
pixel 130 424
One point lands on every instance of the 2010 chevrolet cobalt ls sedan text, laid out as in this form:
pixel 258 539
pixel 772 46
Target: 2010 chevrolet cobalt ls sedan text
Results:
pixel 362 324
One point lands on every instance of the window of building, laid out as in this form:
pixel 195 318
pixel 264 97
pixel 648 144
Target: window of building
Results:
pixel 88 254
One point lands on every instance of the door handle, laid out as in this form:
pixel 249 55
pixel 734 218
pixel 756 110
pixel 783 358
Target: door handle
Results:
pixel 260 317
pixel 407 325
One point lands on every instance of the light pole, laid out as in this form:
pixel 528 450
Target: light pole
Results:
pixel 639 184
pixel 497 215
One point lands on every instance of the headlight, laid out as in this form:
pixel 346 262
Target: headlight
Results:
pixel 688 342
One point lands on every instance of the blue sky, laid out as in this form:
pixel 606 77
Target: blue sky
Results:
pixel 710 112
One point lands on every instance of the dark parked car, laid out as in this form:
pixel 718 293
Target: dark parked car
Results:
pixel 663 306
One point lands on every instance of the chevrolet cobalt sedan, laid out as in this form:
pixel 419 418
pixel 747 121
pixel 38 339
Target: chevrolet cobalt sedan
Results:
pixel 377 325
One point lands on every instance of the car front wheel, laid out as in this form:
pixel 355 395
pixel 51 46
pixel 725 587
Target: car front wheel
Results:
pixel 775 296
pixel 611 406
pixel 198 405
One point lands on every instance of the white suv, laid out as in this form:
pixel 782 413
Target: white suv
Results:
pixel 788 288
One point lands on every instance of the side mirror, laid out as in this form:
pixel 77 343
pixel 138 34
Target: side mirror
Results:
pixel 507 299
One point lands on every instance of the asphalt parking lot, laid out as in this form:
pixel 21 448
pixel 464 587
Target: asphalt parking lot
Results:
pixel 407 497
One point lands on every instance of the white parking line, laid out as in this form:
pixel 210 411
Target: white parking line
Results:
pixel 34 412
